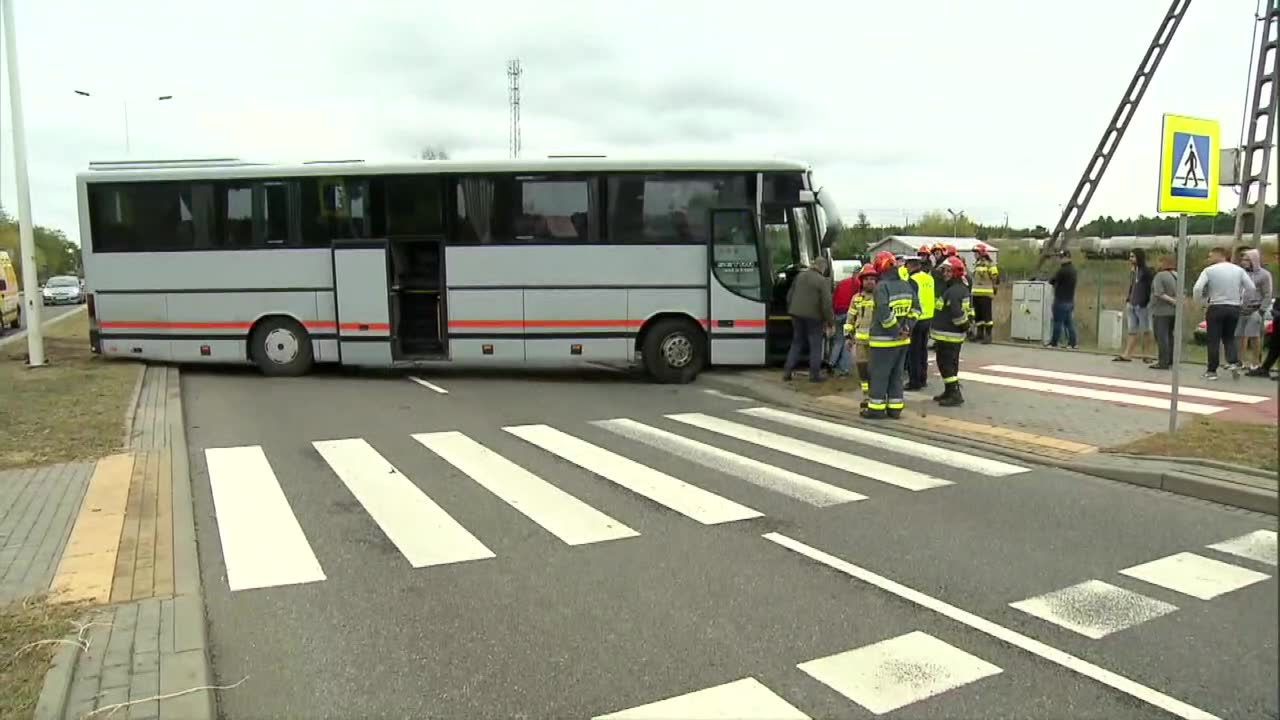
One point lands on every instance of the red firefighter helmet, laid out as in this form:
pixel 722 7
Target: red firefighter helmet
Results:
pixel 950 251
pixel 868 271
pixel 924 251
pixel 939 247
pixel 956 265
pixel 982 251
pixel 884 262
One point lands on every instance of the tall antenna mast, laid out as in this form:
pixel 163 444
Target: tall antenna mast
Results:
pixel 513 97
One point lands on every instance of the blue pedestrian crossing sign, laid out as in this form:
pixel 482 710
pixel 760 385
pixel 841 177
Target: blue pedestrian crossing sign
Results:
pixel 1188 166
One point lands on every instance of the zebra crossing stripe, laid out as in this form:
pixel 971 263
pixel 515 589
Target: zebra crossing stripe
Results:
pixel 747 698
pixel 688 500
pixel 424 533
pixel 795 485
pixel 1128 384
pixel 262 543
pixel 558 512
pixel 1090 393
pixel 897 672
pixel 856 464
pixel 924 451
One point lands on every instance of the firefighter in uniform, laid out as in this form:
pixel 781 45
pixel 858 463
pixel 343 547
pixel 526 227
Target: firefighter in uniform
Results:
pixel 895 311
pixel 857 328
pixel 926 258
pixel 918 352
pixel 986 276
pixel 950 320
pixel 939 252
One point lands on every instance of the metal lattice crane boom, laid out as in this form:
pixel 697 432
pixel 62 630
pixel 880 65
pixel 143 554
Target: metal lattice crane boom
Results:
pixel 1255 161
pixel 1073 211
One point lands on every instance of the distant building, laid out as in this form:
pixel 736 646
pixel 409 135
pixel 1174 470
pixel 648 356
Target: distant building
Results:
pixel 910 245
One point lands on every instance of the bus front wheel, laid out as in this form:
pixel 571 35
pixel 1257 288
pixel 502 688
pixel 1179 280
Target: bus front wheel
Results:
pixel 674 351
pixel 281 347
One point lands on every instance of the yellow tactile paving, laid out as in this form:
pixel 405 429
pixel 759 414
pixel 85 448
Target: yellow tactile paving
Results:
pixel 88 562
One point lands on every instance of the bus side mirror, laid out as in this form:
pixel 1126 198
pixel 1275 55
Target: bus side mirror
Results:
pixel 808 196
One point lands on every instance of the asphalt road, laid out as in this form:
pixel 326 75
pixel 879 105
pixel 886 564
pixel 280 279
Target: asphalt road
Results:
pixel 47 313
pixel 539 628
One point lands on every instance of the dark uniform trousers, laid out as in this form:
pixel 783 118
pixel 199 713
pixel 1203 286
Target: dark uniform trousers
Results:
pixel 918 354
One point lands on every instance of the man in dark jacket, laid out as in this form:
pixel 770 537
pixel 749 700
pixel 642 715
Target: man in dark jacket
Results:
pixel 1137 314
pixel 1064 302
pixel 950 326
pixel 809 305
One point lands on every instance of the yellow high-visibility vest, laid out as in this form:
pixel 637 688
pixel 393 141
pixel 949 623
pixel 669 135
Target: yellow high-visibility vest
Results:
pixel 925 282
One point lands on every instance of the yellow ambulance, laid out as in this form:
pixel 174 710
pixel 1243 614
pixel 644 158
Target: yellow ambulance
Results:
pixel 10 303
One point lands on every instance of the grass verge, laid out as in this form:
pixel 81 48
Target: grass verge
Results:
pixel 24 655
pixel 1238 443
pixel 71 409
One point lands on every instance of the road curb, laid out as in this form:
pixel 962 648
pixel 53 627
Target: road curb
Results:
pixel 55 694
pixel 1180 483
pixel 1204 462
pixel 190 636
pixel 132 412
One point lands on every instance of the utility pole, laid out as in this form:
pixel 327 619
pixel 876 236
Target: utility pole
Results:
pixel 955 222
pixel 1255 160
pixel 514 71
pixel 32 301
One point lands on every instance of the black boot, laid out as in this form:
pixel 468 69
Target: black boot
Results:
pixel 894 414
pixel 946 393
pixel 870 414
pixel 954 398
pixel 986 335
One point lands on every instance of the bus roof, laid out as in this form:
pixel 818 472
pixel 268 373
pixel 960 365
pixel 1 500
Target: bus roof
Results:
pixel 134 171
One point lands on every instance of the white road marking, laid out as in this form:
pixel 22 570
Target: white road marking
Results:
pixel 558 512
pixel 1093 608
pixel 726 396
pixel 914 448
pixel 894 673
pixel 430 386
pixel 688 500
pixel 800 487
pixel 1129 384
pixel 1194 575
pixel 746 698
pixel 856 464
pixel 1090 393
pixel 425 534
pixel 262 543
pixel 1259 545
pixel 999 632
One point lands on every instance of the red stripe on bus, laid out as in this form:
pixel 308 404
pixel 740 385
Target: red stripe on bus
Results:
pixel 365 327
pixel 518 324
pixel 150 325
pixel 748 323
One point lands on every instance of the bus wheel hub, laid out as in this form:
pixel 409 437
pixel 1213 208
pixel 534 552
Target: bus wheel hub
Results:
pixel 677 350
pixel 281 346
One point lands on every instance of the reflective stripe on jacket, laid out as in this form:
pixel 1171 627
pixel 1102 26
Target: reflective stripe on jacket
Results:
pixel 896 308
pixel 860 310
pixel 952 316
pixel 985 277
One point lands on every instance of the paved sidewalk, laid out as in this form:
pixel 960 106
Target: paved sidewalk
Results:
pixel 133 549
pixel 37 508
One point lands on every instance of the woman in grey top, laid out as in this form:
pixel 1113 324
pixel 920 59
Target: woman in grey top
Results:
pixel 1249 329
pixel 1163 305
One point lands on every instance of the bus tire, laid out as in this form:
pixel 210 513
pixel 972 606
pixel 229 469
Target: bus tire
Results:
pixel 280 347
pixel 674 351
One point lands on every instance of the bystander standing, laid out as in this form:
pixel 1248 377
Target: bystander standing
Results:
pixel 810 307
pixel 1064 302
pixel 1222 286
pixel 1166 293
pixel 1255 305
pixel 1137 316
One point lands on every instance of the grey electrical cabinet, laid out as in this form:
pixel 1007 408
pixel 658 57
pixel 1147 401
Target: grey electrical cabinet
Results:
pixel 1032 311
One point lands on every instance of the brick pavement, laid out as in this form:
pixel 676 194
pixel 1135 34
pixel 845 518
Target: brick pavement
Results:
pixel 37 509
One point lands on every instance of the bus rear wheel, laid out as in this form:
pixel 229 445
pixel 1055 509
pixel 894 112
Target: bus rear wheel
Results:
pixel 280 347
pixel 674 351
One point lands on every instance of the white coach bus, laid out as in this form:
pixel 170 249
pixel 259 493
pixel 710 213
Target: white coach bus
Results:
pixel 679 264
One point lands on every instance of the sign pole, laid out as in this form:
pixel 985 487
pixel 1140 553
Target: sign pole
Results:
pixel 1177 322
pixel 32 301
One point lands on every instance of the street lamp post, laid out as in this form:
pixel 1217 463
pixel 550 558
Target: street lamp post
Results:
pixel 124 103
pixel 32 299
pixel 955 222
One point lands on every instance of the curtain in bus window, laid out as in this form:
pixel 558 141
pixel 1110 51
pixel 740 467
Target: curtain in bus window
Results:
pixel 238 216
pixel 476 210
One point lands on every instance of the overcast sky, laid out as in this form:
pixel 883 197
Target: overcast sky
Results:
pixel 990 106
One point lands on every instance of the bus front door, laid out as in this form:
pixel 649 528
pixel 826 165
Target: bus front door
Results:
pixel 362 302
pixel 736 322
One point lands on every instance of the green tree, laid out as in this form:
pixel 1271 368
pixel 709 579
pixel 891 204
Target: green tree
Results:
pixel 936 223
pixel 55 254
